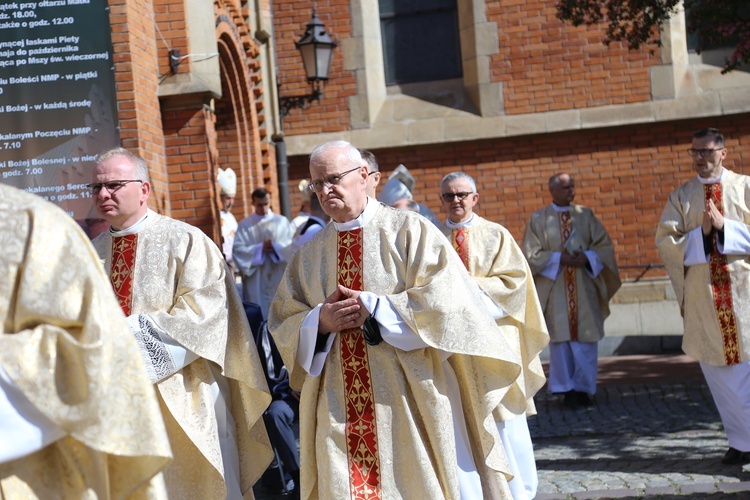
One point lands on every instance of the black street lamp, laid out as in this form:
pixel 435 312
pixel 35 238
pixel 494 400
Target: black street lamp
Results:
pixel 316 47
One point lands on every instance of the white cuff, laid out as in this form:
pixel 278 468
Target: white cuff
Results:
pixel 258 257
pixel 307 358
pixel 23 428
pixel 736 238
pixel 594 262
pixel 496 311
pixel 552 267
pixel 694 253
pixel 393 328
pixel 163 355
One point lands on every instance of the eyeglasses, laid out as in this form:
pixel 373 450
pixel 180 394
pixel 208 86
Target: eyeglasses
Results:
pixel 703 152
pixel 111 186
pixel 448 197
pixel 331 180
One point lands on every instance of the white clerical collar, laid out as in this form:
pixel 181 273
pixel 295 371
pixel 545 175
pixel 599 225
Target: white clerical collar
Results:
pixel 558 208
pixel 135 228
pixel 713 180
pixel 459 225
pixel 364 218
pixel 255 218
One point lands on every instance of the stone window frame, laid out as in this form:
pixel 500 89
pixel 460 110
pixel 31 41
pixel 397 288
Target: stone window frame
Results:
pixel 363 55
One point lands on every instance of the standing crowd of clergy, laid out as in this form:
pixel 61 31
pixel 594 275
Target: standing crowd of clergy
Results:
pixel 412 347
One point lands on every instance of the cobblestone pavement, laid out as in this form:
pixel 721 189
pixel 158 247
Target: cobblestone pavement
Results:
pixel 653 432
pixel 644 440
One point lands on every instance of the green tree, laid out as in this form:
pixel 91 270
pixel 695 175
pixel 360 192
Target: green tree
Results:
pixel 718 23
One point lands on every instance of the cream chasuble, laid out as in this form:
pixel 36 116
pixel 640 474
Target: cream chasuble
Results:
pixel 713 296
pixel 262 271
pixel 66 347
pixel 573 290
pixel 496 262
pixel 377 421
pixel 179 291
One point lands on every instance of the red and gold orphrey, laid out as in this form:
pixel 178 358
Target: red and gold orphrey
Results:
pixel 721 286
pixel 569 273
pixel 361 428
pixel 460 240
pixel 123 267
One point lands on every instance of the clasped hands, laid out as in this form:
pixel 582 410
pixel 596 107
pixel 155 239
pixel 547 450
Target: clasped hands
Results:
pixel 576 259
pixel 712 219
pixel 341 310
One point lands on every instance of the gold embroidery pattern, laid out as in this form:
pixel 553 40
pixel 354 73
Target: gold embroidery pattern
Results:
pixel 460 242
pixel 721 286
pixel 569 273
pixel 361 427
pixel 121 274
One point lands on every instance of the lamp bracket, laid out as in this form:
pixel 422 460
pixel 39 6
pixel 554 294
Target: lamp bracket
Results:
pixel 288 103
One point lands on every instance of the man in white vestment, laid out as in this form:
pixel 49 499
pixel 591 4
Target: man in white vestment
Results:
pixel 399 365
pixel 78 415
pixel 573 262
pixel 704 239
pixel 182 308
pixel 261 248
pixel 494 259
pixel 228 190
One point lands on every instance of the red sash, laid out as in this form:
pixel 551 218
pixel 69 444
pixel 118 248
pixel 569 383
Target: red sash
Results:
pixel 721 286
pixel 123 267
pixel 569 273
pixel 361 427
pixel 460 240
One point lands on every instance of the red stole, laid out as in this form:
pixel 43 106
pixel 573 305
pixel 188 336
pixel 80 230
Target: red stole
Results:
pixel 460 240
pixel 721 286
pixel 361 427
pixel 123 267
pixel 569 273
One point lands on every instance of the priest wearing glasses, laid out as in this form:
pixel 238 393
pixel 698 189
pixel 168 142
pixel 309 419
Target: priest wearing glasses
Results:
pixel 494 259
pixel 704 239
pixel 182 308
pixel 399 364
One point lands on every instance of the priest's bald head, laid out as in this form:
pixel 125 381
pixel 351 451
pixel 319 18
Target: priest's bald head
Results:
pixel 120 187
pixel 339 178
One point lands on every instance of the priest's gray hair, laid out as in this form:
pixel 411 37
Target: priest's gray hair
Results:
pixel 554 181
pixel 139 164
pixel 347 150
pixel 460 175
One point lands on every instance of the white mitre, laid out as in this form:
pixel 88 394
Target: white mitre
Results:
pixel 227 182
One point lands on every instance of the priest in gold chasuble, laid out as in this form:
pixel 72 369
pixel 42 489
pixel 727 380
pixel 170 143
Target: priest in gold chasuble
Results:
pixel 189 322
pixel 495 261
pixel 399 366
pixel 573 262
pixel 78 415
pixel 704 240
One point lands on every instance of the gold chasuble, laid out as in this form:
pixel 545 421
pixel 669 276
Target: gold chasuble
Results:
pixel 176 276
pixel 495 261
pixel 361 428
pixel 575 305
pixel 377 422
pixel 66 346
pixel 713 297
